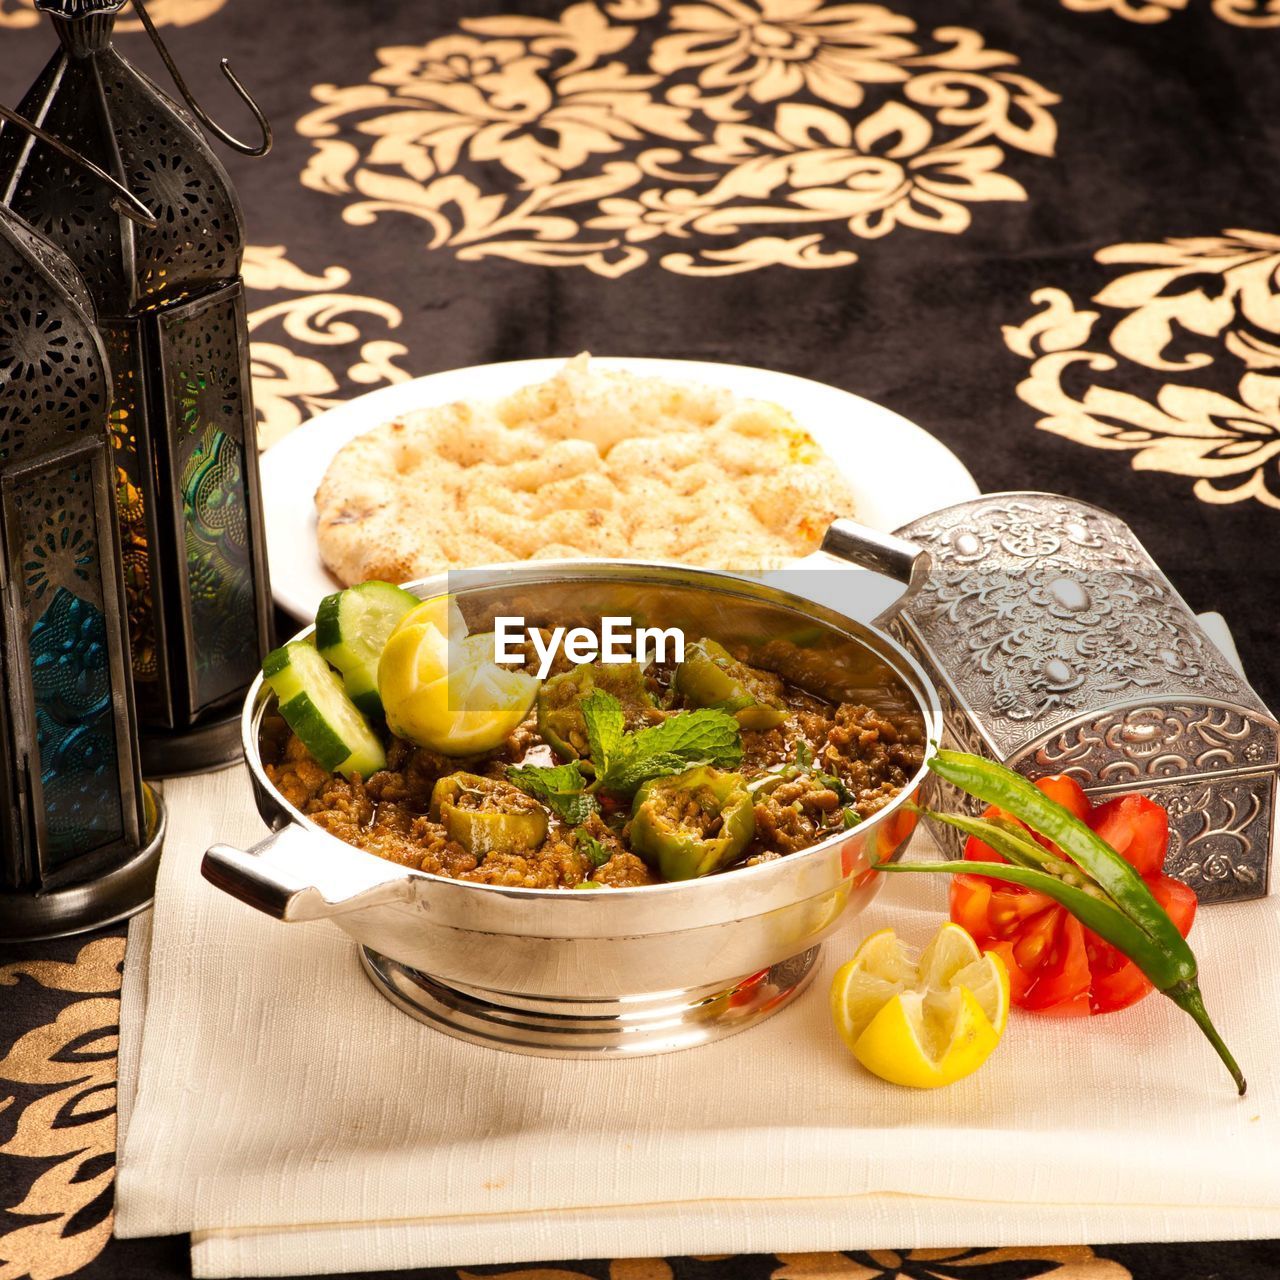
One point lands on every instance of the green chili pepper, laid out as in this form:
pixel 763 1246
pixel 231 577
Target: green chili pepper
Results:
pixel 1012 842
pixel 1098 914
pixel 710 676
pixel 487 816
pixel 1012 792
pixel 560 719
pixel 1110 898
pixel 692 823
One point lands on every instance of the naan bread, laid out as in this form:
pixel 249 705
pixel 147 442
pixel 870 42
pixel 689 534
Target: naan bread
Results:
pixel 590 463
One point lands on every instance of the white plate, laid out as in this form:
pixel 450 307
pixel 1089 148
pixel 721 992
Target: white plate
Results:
pixel 896 470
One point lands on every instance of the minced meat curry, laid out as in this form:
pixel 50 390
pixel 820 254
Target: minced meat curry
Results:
pixel 756 769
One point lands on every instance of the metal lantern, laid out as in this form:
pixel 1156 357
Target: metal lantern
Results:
pixel 171 311
pixel 79 832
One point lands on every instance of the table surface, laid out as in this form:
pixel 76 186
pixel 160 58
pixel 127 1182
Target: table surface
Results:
pixel 1046 230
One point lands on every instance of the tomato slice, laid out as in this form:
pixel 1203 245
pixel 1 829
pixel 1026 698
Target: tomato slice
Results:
pixel 970 901
pixel 1136 828
pixel 1014 910
pixel 1117 981
pixel 1056 966
pixel 1178 899
pixel 1019 979
pixel 1063 788
pixel 1118 990
pixel 1062 978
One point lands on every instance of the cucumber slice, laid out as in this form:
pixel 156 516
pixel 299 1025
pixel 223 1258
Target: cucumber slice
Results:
pixel 352 627
pixel 317 708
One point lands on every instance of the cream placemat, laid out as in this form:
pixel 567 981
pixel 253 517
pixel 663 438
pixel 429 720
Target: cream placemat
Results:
pixel 295 1122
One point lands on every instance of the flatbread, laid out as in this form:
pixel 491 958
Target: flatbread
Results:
pixel 589 463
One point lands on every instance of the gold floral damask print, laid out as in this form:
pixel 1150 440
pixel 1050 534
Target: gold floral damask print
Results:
pixel 1067 1263
pixel 1133 376
pixel 290 386
pixel 61 1078
pixel 164 13
pixel 619 1269
pixel 1072 1262
pixel 1240 13
pixel 575 142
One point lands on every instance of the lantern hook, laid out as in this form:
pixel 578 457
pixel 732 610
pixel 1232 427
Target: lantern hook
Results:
pixel 124 201
pixel 197 110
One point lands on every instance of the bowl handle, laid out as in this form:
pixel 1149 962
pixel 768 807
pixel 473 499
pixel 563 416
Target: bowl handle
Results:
pixel 884 553
pixel 277 877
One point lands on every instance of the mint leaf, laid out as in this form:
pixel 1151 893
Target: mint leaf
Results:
pixel 631 770
pixel 708 736
pixel 606 726
pixel 685 739
pixel 561 787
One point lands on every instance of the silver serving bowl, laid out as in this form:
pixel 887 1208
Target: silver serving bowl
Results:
pixel 622 971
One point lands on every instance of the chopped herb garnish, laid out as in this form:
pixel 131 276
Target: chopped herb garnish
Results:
pixel 804 764
pixel 837 785
pixel 596 853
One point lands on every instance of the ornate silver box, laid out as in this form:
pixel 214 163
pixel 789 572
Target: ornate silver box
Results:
pixel 1058 646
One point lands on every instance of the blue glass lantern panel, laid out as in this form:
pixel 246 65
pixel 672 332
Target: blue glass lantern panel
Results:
pixel 209 429
pixel 79 766
pixel 54 520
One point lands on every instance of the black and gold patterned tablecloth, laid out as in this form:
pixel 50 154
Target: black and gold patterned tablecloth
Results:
pixel 1046 230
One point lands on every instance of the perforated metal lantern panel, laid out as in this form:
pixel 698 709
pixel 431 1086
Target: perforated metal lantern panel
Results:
pixel 74 798
pixel 68 657
pixel 170 306
pixel 199 363
pixel 189 505
pixel 51 364
pixel 119 118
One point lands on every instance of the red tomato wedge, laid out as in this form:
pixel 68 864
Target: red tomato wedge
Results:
pixel 1055 964
pixel 1136 828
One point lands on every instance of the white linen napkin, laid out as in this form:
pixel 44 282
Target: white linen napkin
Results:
pixel 295 1122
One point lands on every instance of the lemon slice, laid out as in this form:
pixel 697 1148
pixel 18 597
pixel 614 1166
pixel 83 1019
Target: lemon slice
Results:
pixel 441 688
pixel 926 1022
pixel 441 612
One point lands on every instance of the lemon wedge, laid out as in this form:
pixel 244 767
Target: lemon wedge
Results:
pixel 441 688
pixel 926 1022
pixel 441 612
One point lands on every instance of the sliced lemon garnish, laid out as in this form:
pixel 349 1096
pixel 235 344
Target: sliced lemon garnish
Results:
pixel 921 1022
pixel 441 612
pixel 441 688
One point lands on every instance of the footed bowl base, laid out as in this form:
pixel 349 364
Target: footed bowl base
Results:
pixel 628 1027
